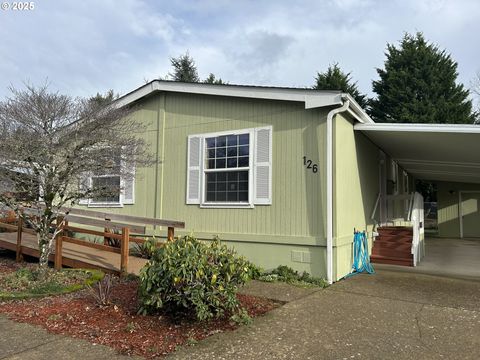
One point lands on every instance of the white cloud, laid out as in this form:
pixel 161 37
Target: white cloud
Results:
pixel 90 46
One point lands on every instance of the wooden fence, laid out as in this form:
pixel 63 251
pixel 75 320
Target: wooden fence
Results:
pixel 115 228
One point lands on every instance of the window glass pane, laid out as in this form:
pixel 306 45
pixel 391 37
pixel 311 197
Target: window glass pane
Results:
pixel 106 189
pixel 232 151
pixel 243 161
pixel 243 196
pixel 211 164
pixel 232 162
pixel 243 150
pixel 211 186
pixel 243 185
pixel 243 175
pixel 211 153
pixel 227 187
pixel 220 163
pixel 232 140
pixel 221 141
pixel 232 196
pixel 243 139
pixel 210 142
pixel 232 176
pixel 221 152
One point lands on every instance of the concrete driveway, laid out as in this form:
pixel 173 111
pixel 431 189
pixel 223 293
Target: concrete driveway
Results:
pixel 451 257
pixel 390 315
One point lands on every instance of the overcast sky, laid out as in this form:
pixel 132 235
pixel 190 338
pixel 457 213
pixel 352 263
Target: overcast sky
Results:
pixel 85 46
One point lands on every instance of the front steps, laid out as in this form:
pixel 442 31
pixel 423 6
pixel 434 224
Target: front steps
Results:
pixel 393 246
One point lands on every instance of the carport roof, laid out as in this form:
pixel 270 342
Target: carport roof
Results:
pixel 439 152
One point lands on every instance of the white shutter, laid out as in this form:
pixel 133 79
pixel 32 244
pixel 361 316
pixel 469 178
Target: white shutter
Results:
pixel 84 184
pixel 263 166
pixel 129 184
pixel 194 169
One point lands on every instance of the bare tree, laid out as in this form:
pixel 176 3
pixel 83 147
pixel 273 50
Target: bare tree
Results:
pixel 50 142
pixel 476 90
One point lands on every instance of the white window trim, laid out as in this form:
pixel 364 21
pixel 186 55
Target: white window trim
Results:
pixel 203 171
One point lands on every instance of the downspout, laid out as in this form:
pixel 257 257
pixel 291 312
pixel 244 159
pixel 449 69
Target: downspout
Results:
pixel 330 116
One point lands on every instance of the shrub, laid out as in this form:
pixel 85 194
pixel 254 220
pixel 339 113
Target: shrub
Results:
pixel 288 275
pixel 187 275
pixel 102 291
pixel 146 249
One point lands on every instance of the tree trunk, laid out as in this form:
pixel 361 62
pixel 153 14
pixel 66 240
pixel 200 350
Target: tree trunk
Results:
pixel 45 247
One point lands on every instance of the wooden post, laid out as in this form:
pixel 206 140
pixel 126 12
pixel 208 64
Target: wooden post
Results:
pixel 19 256
pixel 124 250
pixel 106 240
pixel 171 233
pixel 59 245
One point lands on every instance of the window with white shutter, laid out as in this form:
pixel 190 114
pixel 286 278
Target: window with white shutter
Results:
pixel 116 189
pixel 193 171
pixel 263 166
pixel 230 169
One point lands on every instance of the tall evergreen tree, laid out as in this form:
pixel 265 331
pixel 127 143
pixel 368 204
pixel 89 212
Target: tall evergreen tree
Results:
pixel 211 79
pixel 184 69
pixel 335 79
pixel 418 85
pixel 104 99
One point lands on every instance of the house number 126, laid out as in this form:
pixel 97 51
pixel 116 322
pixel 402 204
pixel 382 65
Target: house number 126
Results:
pixel 310 165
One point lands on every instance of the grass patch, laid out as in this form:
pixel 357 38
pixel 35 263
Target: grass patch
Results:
pixel 288 275
pixel 30 282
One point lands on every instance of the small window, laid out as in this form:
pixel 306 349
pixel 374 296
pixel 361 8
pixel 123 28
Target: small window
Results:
pixel 112 186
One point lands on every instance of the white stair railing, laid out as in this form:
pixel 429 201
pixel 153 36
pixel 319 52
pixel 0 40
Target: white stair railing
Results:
pixel 417 219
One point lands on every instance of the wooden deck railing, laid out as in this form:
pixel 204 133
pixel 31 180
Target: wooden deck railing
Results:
pixel 113 226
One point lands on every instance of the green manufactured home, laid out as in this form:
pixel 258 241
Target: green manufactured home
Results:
pixel 283 175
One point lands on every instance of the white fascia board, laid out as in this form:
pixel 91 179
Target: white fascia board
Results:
pixel 427 128
pixel 311 98
pixel 357 110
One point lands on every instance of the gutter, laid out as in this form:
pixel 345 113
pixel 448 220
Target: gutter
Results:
pixel 330 116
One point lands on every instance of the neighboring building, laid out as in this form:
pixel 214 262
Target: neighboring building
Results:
pixel 283 175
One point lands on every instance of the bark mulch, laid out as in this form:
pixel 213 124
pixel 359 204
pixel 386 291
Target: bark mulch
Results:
pixel 119 326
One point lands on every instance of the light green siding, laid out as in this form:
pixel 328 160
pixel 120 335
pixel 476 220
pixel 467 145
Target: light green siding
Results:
pixel 448 207
pixel 295 216
pixel 291 231
pixel 356 186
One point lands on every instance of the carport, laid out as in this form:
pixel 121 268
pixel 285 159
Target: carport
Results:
pixel 448 155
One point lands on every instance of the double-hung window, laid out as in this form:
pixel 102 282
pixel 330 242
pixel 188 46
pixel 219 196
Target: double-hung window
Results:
pixel 230 169
pixel 111 187
pixel 227 168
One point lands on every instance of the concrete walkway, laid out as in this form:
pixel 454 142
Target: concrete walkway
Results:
pixel 383 316
pixel 24 342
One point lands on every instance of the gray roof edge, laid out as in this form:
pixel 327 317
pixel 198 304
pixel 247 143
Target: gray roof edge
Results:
pixel 312 98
